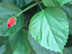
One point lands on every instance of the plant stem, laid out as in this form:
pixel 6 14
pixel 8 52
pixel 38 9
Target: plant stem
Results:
pixel 27 8
pixel 39 5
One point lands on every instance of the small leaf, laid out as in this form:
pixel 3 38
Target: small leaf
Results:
pixel 19 3
pixel 7 10
pixel 19 42
pixel 50 29
pixel 54 3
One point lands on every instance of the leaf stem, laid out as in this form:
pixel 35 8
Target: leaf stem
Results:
pixel 39 5
pixel 27 8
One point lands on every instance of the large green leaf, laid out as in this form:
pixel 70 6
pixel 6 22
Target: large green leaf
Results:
pixel 41 50
pixel 19 3
pixel 7 10
pixel 54 3
pixel 50 29
pixel 68 9
pixel 19 42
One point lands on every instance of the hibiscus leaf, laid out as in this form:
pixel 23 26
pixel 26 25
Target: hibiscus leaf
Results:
pixel 7 10
pixel 54 3
pixel 50 29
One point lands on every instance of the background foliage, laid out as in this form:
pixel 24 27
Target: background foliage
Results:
pixel 18 40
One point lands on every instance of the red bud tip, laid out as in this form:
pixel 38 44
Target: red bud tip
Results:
pixel 11 22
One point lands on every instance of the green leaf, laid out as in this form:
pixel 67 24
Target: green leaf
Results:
pixel 41 50
pixel 50 29
pixel 19 42
pixel 38 48
pixel 54 3
pixel 4 46
pixel 68 9
pixel 66 51
pixel 70 2
pixel 19 3
pixel 8 47
pixel 31 51
pixel 7 10
pixel 2 49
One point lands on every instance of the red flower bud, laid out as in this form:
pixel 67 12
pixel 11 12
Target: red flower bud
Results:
pixel 11 22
